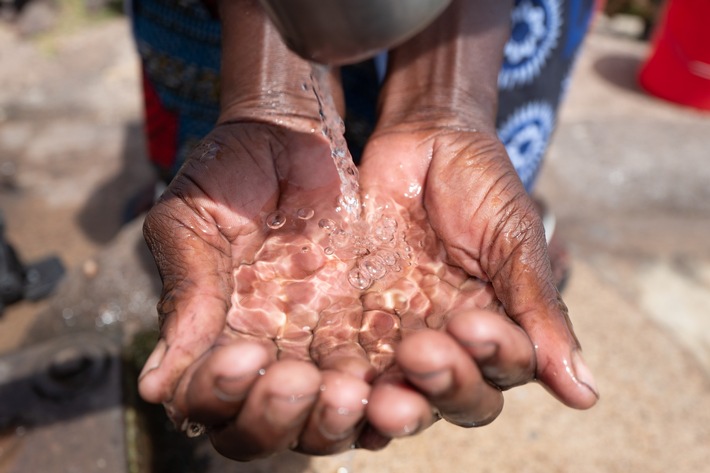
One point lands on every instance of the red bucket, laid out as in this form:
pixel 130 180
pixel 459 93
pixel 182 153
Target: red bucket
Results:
pixel 678 68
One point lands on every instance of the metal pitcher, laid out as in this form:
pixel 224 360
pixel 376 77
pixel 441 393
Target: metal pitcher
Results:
pixel 346 31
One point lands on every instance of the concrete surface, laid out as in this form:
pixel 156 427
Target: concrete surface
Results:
pixel 627 176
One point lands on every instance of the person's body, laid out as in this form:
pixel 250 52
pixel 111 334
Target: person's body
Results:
pixel 291 370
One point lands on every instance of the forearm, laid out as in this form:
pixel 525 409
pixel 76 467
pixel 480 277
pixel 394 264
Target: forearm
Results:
pixel 260 78
pixel 449 73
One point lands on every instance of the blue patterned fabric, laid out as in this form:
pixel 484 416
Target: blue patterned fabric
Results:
pixel 538 59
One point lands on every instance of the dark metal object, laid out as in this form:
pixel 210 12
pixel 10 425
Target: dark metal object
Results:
pixel 17 281
pixel 61 405
pixel 347 31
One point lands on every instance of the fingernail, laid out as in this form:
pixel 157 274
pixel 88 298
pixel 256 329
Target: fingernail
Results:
pixel 338 423
pixel 583 374
pixel 433 382
pixel 285 412
pixel 154 359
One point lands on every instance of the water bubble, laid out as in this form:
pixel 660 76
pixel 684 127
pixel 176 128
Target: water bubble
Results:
pixel 359 279
pixel 351 171
pixel 276 220
pixel 207 150
pixel 327 224
pixel 384 233
pixel 388 257
pixel 340 238
pixel 328 250
pixel 194 429
pixel 374 266
pixel 305 213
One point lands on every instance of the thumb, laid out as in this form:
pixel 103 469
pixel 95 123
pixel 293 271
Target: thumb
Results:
pixel 517 262
pixel 195 270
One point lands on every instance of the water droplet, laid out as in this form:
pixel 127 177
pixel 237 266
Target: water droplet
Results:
pixel 373 266
pixel 384 233
pixel 340 238
pixel 359 279
pixel 388 257
pixel 194 429
pixel 328 250
pixel 413 191
pixel 327 224
pixel 305 213
pixel 276 220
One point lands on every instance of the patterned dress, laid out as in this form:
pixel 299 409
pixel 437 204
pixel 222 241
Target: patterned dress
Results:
pixel 179 44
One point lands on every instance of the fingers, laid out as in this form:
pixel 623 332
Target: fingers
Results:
pixel 396 410
pixel 501 349
pixel 335 422
pixel 523 280
pixel 219 385
pixel 441 369
pixel 274 413
pixel 193 304
pixel 503 239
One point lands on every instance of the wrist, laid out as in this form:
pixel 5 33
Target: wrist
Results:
pixel 261 79
pixel 448 74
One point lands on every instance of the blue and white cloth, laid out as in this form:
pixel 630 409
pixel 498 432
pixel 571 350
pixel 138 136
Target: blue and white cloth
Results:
pixel 538 59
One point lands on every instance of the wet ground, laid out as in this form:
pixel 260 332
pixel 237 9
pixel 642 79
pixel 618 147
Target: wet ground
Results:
pixel 627 177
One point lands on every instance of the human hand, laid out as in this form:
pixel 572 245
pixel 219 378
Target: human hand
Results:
pixel 241 299
pixel 488 227
pixel 239 295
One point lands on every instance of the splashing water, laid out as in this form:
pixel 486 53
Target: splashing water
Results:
pixel 334 130
pixel 375 246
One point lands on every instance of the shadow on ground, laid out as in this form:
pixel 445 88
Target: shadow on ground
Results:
pixel 621 71
pixel 122 197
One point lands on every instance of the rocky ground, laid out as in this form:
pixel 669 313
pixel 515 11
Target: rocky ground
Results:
pixel 627 177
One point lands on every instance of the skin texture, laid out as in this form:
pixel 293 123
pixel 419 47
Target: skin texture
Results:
pixel 265 341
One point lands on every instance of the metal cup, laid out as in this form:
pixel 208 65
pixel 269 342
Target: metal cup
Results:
pixel 346 31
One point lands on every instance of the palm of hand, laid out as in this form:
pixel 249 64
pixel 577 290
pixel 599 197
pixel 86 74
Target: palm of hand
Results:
pixel 234 288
